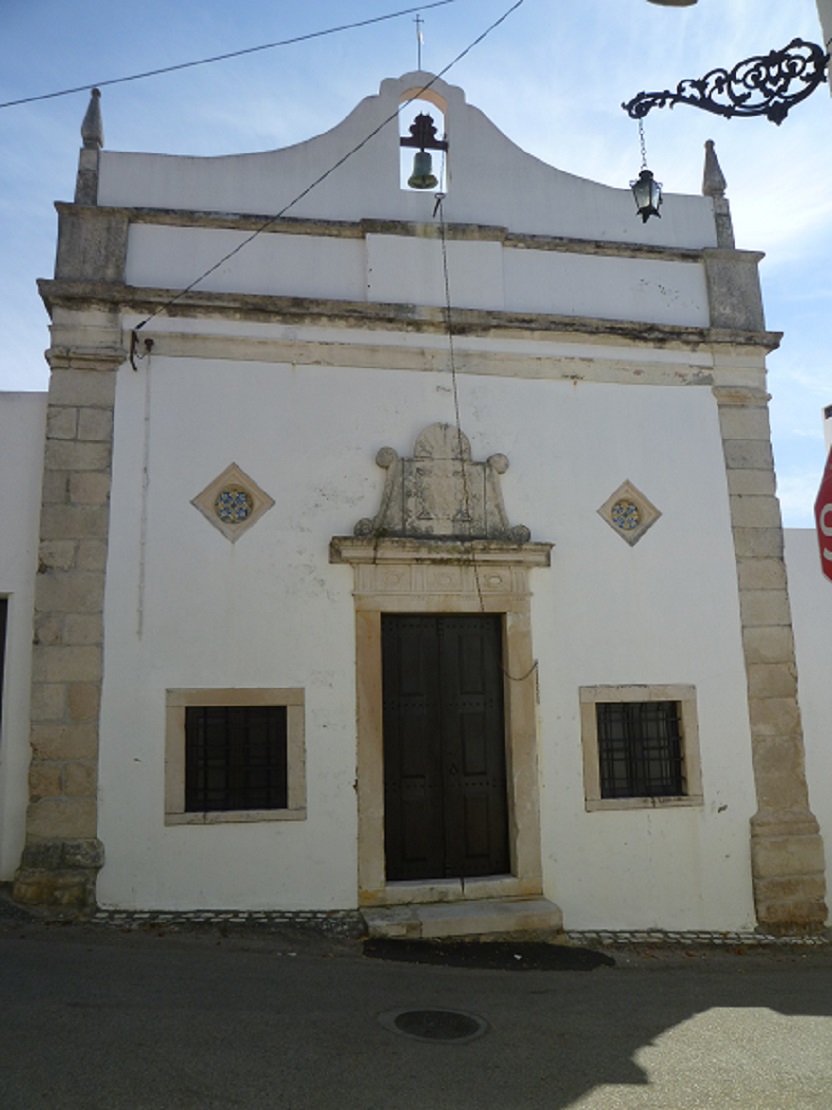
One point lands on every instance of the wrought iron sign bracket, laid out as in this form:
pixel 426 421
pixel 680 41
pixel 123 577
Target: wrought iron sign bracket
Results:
pixel 764 85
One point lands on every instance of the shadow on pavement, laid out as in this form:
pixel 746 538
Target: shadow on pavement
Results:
pixel 494 955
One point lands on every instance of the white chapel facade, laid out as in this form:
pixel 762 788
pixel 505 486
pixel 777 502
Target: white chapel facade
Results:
pixel 424 552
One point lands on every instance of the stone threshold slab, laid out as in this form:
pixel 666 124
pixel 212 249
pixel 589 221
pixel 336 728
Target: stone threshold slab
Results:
pixel 503 917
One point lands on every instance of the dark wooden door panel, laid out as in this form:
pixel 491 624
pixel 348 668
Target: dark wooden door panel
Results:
pixel 473 737
pixel 414 833
pixel 444 747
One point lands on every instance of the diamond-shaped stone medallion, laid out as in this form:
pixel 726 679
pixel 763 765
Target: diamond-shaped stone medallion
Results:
pixel 233 502
pixel 629 513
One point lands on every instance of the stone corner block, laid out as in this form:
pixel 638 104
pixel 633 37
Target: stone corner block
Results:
pixel 734 290
pixel 59 875
pixel 56 890
pixel 793 918
pixel 62 819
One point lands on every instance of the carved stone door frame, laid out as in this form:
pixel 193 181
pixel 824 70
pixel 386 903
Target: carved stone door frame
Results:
pixel 446 576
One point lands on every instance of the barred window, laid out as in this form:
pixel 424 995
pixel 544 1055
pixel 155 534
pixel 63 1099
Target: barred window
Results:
pixel 235 757
pixel 640 749
pixel 640 746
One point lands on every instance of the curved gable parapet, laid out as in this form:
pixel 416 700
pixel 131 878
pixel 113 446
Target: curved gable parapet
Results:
pixel 491 181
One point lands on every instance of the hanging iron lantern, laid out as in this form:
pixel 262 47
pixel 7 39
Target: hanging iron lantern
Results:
pixel 648 195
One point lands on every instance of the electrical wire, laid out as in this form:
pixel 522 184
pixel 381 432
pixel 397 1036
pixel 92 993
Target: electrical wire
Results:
pixel 470 554
pixel 231 54
pixel 328 172
pixel 466 489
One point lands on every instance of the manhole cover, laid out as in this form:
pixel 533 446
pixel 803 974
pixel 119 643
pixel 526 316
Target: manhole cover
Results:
pixel 435 1025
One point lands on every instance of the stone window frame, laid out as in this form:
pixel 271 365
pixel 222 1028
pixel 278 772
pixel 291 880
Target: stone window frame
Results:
pixel 685 697
pixel 176 702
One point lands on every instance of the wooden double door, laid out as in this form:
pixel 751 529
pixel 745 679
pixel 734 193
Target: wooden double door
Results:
pixel 445 796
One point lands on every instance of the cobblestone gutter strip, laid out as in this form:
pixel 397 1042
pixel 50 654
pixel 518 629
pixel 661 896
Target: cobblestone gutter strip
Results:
pixel 333 923
pixel 610 938
pixel 348 923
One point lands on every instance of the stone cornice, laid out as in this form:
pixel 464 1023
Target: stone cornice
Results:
pixel 737 395
pixel 358 550
pixel 343 229
pixel 385 317
pixel 85 358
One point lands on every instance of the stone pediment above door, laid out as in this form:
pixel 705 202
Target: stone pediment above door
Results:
pixel 441 493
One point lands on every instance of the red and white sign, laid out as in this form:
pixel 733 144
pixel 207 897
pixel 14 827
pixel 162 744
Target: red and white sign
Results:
pixel 823 519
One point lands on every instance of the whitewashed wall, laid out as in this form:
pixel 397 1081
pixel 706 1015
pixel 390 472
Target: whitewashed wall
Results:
pixel 186 608
pixel 271 611
pixel 811 597
pixel 22 428
pixel 664 611
pixel 408 270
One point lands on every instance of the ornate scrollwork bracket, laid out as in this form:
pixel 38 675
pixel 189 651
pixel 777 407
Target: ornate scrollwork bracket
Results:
pixel 765 85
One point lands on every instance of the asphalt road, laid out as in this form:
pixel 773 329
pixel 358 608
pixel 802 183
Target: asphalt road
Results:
pixel 96 1018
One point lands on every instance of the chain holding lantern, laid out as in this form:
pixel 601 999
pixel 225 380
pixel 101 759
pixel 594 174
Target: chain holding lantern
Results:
pixel 646 190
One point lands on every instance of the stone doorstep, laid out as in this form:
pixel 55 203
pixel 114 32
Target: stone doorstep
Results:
pixel 503 917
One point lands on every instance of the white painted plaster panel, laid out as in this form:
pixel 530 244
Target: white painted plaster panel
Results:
pixel 646 290
pixel 524 193
pixel 406 270
pixel 410 270
pixel 22 429
pixel 271 611
pixel 281 265
pixel 810 594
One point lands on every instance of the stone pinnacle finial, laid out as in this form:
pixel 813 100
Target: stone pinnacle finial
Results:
pixel 713 179
pixel 92 129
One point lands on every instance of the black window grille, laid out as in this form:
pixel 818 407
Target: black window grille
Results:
pixel 640 749
pixel 235 757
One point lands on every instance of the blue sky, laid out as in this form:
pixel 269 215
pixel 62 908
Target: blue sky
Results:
pixel 552 77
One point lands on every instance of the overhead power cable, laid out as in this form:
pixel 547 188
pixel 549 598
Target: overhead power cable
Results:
pixel 327 173
pixel 231 54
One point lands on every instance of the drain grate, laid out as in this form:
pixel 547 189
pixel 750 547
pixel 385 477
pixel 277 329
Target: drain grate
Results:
pixel 454 1026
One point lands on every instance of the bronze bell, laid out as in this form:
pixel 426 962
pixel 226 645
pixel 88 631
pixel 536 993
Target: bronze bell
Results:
pixel 422 176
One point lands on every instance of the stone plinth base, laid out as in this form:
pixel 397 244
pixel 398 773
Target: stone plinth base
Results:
pixel 59 874
pixel 789 882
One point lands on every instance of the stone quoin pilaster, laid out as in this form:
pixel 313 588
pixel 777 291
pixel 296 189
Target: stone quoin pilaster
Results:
pixel 787 857
pixel 62 854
